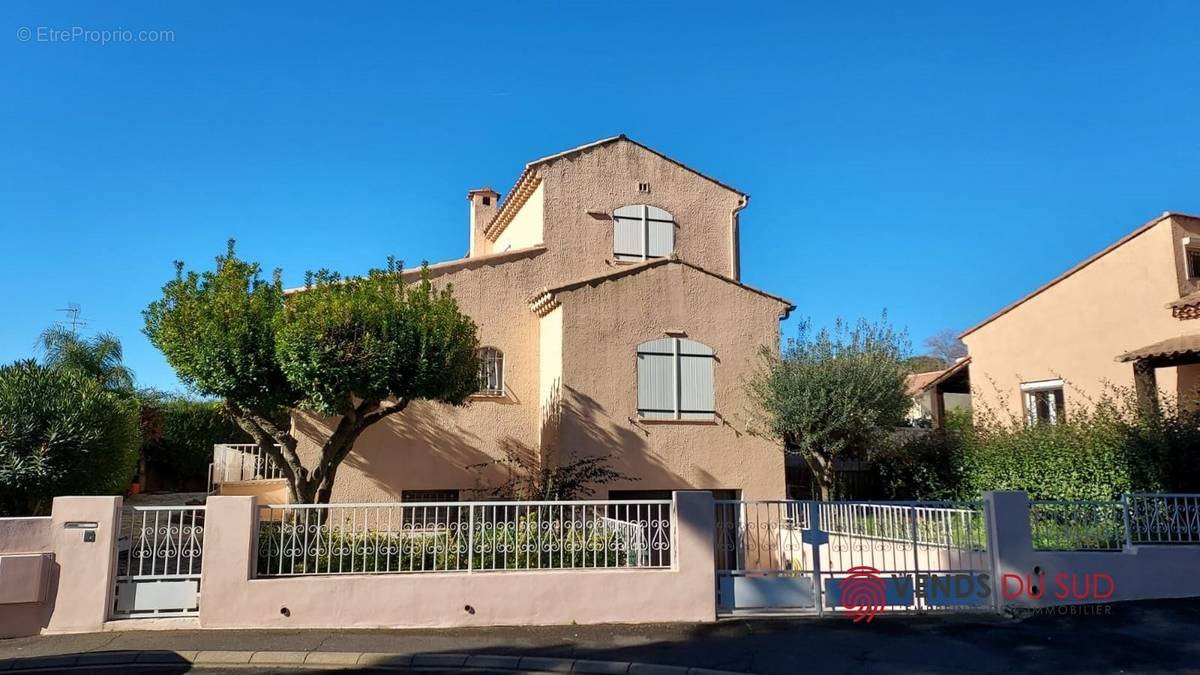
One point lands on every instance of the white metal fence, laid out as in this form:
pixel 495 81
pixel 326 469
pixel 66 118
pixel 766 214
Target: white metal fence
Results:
pixel 159 557
pixel 1137 519
pixel 236 462
pixel 464 537
pixel 797 556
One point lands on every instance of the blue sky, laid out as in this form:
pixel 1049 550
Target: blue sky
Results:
pixel 935 159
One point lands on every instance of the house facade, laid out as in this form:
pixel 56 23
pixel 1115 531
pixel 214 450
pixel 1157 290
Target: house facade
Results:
pixel 1122 318
pixel 613 323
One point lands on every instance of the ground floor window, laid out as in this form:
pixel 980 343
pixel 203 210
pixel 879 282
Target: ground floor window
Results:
pixel 647 495
pixel 1044 402
pixel 423 496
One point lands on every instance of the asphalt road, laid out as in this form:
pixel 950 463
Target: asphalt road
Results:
pixel 1161 636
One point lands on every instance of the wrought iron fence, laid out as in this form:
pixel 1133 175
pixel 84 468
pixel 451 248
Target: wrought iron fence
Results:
pixel 1137 519
pixel 1077 525
pixel 463 537
pixel 1163 518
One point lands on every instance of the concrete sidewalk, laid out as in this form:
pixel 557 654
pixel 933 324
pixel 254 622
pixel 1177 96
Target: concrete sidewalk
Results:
pixel 1131 637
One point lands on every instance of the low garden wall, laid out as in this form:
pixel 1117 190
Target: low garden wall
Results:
pixel 232 598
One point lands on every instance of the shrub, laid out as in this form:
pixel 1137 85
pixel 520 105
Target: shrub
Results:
pixel 62 433
pixel 922 465
pixel 1100 450
pixel 179 434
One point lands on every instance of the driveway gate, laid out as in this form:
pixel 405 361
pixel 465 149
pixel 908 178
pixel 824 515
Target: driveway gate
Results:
pixel 810 557
pixel 159 553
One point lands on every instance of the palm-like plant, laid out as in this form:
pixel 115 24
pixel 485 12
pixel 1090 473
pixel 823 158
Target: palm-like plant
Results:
pixel 99 357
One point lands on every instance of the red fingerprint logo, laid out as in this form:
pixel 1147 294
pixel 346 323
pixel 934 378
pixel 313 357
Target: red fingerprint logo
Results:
pixel 864 593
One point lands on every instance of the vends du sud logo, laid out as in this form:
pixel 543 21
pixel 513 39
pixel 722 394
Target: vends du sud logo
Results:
pixel 864 592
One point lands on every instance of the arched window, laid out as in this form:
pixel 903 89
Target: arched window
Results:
pixel 641 232
pixel 675 380
pixel 491 372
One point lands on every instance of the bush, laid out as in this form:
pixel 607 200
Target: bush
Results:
pixel 922 465
pixel 62 433
pixel 180 433
pixel 1098 452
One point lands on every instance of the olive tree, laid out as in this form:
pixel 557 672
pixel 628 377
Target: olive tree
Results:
pixel 62 432
pixel 830 392
pixel 356 350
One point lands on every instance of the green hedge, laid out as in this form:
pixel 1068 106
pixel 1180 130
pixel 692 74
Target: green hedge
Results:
pixel 1095 454
pixel 179 434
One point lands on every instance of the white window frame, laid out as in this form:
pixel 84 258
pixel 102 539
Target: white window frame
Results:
pixel 676 383
pixel 1029 391
pixel 496 357
pixel 645 232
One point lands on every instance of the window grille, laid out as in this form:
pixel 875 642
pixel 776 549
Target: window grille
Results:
pixel 491 372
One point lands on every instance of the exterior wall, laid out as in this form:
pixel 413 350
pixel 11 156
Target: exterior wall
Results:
pixel 550 370
pixel 230 599
pixel 602 327
pixel 438 447
pixel 20 540
pixel 526 227
pixel 1076 328
pixel 606 178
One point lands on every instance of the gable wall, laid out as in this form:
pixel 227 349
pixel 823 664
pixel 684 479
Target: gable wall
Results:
pixel 602 327
pixel 605 178
pixel 1076 328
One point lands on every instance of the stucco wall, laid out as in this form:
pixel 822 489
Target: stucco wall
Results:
pixel 1076 328
pixel 230 599
pixel 525 229
pixel 606 178
pixel 602 327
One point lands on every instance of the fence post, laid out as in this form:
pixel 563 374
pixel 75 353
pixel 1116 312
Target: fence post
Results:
pixel 814 544
pixel 471 538
pixel 1125 516
pixel 916 539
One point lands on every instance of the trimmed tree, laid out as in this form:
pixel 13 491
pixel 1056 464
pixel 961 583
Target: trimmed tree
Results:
pixel 357 350
pixel 832 392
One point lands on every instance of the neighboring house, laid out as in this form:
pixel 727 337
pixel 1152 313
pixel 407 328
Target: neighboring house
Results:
pixel 612 320
pixel 938 392
pixel 1122 317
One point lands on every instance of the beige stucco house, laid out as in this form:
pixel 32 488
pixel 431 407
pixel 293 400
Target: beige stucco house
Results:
pixel 607 292
pixel 1122 317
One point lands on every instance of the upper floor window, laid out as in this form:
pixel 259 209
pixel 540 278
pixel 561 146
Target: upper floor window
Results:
pixel 1044 402
pixel 1193 263
pixel 491 372
pixel 675 380
pixel 641 232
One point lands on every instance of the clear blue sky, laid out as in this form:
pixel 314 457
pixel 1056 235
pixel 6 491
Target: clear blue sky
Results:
pixel 936 159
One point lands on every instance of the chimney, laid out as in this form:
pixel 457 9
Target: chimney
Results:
pixel 484 203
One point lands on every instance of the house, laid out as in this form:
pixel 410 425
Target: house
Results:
pixel 613 322
pixel 1122 317
pixel 938 392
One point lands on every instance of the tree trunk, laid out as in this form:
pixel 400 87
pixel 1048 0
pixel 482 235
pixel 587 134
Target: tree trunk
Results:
pixel 822 471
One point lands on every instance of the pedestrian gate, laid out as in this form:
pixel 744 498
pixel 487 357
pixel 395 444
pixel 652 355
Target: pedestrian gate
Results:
pixel 159 554
pixel 862 557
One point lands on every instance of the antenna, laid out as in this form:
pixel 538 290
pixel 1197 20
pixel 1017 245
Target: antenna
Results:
pixel 73 318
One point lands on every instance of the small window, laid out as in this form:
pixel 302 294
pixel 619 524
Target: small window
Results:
pixel 1044 402
pixel 1193 263
pixel 675 380
pixel 491 372
pixel 642 232
pixel 487 201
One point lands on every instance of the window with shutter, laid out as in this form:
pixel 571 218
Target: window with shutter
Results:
pixel 675 380
pixel 641 232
